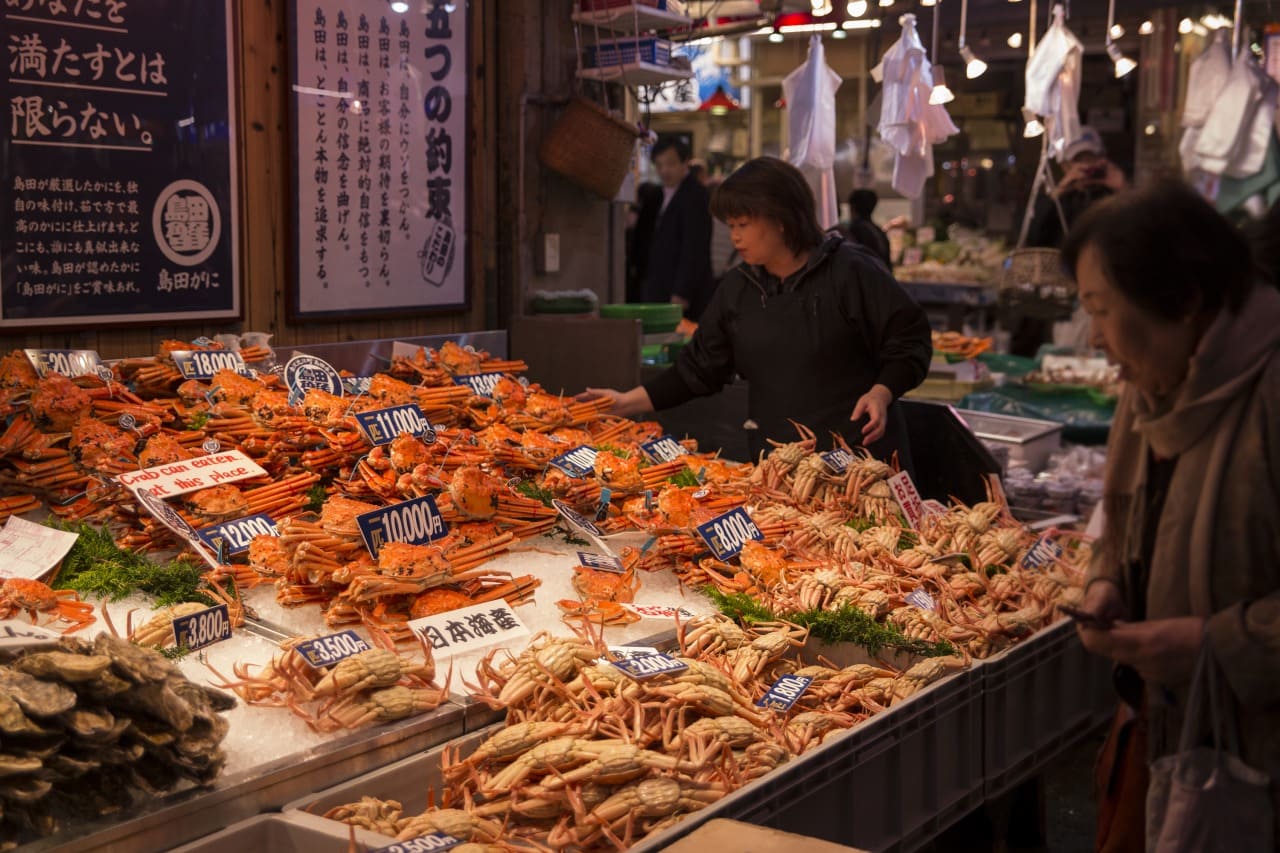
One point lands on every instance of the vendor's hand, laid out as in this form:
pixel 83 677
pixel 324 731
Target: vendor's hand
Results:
pixel 875 405
pixel 1102 599
pixel 1163 651
pixel 625 403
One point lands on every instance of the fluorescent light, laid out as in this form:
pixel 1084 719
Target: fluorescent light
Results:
pixel 928 2
pixel 886 3
pixel 973 66
pixel 1117 31
pixel 807 28
pixel 1185 26
pixel 940 94
pixel 1147 28
pixel 1014 41
pixel 857 8
pixel 864 24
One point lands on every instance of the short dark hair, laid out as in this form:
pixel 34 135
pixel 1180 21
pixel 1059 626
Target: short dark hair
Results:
pixel 773 189
pixel 863 202
pixel 1166 249
pixel 667 143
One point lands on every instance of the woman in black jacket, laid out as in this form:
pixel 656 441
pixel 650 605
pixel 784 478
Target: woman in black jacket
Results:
pixel 818 327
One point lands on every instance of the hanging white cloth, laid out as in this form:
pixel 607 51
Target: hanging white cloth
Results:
pixel 810 92
pixel 1237 130
pixel 1053 84
pixel 1206 79
pixel 909 124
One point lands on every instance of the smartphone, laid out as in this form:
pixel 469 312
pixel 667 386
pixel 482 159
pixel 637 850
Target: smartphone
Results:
pixel 1087 619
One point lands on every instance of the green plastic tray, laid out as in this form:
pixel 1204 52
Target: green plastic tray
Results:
pixel 654 316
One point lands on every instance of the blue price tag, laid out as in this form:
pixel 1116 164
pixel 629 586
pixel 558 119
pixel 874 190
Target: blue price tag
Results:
pixel 68 362
pixel 726 534
pixel 203 629
pixel 600 562
pixel 579 462
pixel 576 518
pixel 481 384
pixel 1044 552
pixel 785 692
pixel 838 461
pixel 664 449
pixel 202 364
pixel 383 426
pixel 417 522
pixel 304 372
pixel 432 843
pixel 647 666
pixel 235 536
pixel 330 649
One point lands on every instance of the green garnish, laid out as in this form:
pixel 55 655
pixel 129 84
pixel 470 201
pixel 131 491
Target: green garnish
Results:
pixel 614 449
pixel 316 497
pixel 862 525
pixel 198 420
pixel 685 478
pixel 530 489
pixel 97 566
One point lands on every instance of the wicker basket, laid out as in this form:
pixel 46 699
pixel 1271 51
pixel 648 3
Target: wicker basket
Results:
pixel 1032 283
pixel 590 147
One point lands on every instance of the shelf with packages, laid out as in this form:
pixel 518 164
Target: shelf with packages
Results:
pixel 636 74
pixel 632 18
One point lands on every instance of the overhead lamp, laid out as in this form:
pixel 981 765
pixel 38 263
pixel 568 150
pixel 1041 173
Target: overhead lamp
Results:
pixel 864 24
pixel 399 6
pixel 1014 41
pixel 1116 31
pixel 885 4
pixel 857 8
pixel 1123 63
pixel 928 2
pixel 719 103
pixel 1186 25
pixel 1215 21
pixel 973 66
pixel 775 36
pixel 839 34
pixel 940 93
pixel 1146 29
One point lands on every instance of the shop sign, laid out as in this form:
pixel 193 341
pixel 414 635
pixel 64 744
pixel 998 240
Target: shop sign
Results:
pixel 659 611
pixel 332 648
pixel 600 562
pixel 904 491
pixel 416 522
pixel 433 842
pixel 579 462
pixel 785 692
pixel 647 666
pixel 233 537
pixel 726 534
pixel 384 426
pixel 664 449
pixel 380 156
pixel 190 475
pixel 1041 554
pixel 119 182
pixel 838 461
pixel 68 362
pixel 203 628
pixel 29 550
pixel 304 372
pixel 204 363
pixel 469 628
pixel 481 384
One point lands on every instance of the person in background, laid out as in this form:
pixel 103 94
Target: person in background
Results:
pixel 1189 553
pixel 862 230
pixel 820 330
pixel 641 219
pixel 1088 177
pixel 679 267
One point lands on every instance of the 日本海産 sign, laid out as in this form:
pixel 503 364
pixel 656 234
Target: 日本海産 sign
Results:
pixel 467 629
pixel 904 491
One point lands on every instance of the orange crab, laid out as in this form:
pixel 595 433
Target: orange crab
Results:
pixel 162 449
pixel 458 360
pixel 57 403
pixel 618 472
pixel 34 597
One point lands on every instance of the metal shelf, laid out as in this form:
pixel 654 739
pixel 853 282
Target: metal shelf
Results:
pixel 632 19
pixel 637 73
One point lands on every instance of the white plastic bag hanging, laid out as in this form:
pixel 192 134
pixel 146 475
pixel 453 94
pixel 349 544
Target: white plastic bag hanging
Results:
pixel 1053 84
pixel 908 122
pixel 810 92
pixel 1237 130
pixel 1205 81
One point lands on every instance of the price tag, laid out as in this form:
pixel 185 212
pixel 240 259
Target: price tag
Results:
pixel 481 384
pixel 785 692
pixel 16 634
pixel 383 426
pixel 838 461
pixel 600 562
pixel 29 550
pixel 582 524
pixel 330 649
pixel 235 536
pixel 659 611
pixel 169 517
pixel 304 372
pixel 922 600
pixel 203 364
pixel 726 534
pixel 1041 554
pixel 190 475
pixel 904 491
pixel 579 462
pixel 647 666
pixel 470 628
pixel 204 628
pixel 933 508
pixel 664 449
pixel 431 843
pixel 416 521
pixel 629 652
pixel 68 362
pixel 356 385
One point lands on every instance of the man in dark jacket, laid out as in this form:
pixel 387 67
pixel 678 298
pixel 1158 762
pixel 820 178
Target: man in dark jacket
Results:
pixel 679 268
pixel 862 230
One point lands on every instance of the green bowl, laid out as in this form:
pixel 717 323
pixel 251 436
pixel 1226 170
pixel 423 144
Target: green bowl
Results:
pixel 654 316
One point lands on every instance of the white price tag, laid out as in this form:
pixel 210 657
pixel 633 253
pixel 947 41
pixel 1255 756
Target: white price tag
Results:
pixel 904 491
pixel 29 550
pixel 192 475
pixel 469 628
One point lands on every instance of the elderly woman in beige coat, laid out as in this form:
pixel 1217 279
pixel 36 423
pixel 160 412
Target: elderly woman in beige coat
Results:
pixel 1191 548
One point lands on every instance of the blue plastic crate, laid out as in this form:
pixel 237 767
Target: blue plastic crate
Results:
pixel 610 52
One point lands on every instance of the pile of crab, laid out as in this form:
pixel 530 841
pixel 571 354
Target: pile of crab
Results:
pixel 91 729
pixel 590 758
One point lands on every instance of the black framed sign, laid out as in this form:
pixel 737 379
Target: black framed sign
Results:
pixel 118 198
pixel 380 156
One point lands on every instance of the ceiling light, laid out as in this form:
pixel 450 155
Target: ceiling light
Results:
pixel 884 4
pixel 1147 28
pixel 928 2
pixel 864 24
pixel 1123 63
pixel 775 37
pixel 839 34
pixel 1150 129
pixel 987 163
pixel 857 8
pixel 1185 26
pixel 973 66
pixel 940 94
pixel 1215 21
pixel 399 6
pixel 1015 41
pixel 1117 31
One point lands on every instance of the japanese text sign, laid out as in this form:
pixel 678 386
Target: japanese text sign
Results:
pixel 904 492
pixel 468 629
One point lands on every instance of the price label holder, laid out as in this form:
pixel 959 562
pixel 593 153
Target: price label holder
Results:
pixel 203 629
pixel 70 363
pixel 1041 554
pixel 726 534
pixel 204 363
pixel 904 491
pixel 648 666
pixel 785 692
pixel 481 384
pixel 664 449
pixel 332 648
pixel 837 461
pixel 583 525
pixel 578 463
pixel 304 372
pixel 233 537
pixel 383 426
pixel 600 562
pixel 434 842
pixel 416 522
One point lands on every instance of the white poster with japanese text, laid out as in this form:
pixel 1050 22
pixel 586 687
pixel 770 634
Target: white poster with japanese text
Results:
pixel 380 156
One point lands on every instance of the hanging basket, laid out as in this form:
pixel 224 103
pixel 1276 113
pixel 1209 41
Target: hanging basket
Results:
pixel 590 146
pixel 1033 283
